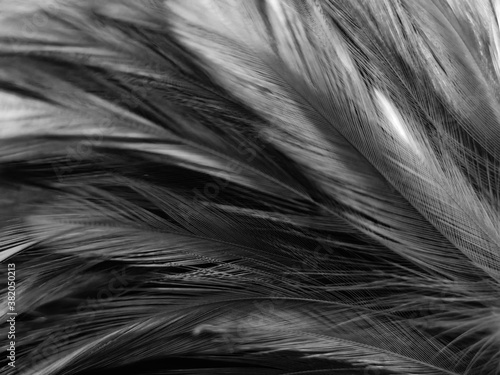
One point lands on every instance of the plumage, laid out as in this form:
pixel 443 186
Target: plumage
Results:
pixel 251 186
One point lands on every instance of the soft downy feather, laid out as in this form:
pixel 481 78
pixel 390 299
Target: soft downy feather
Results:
pixel 252 186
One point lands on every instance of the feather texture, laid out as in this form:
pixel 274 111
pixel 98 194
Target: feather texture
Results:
pixel 251 186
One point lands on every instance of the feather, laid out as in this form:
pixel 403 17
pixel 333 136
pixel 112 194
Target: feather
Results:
pixel 251 186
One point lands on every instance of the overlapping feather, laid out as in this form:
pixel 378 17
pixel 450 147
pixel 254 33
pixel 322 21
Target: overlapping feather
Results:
pixel 301 186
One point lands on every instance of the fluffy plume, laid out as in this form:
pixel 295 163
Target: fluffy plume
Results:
pixel 250 186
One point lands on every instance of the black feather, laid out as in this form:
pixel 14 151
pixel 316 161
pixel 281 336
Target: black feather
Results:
pixel 251 186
